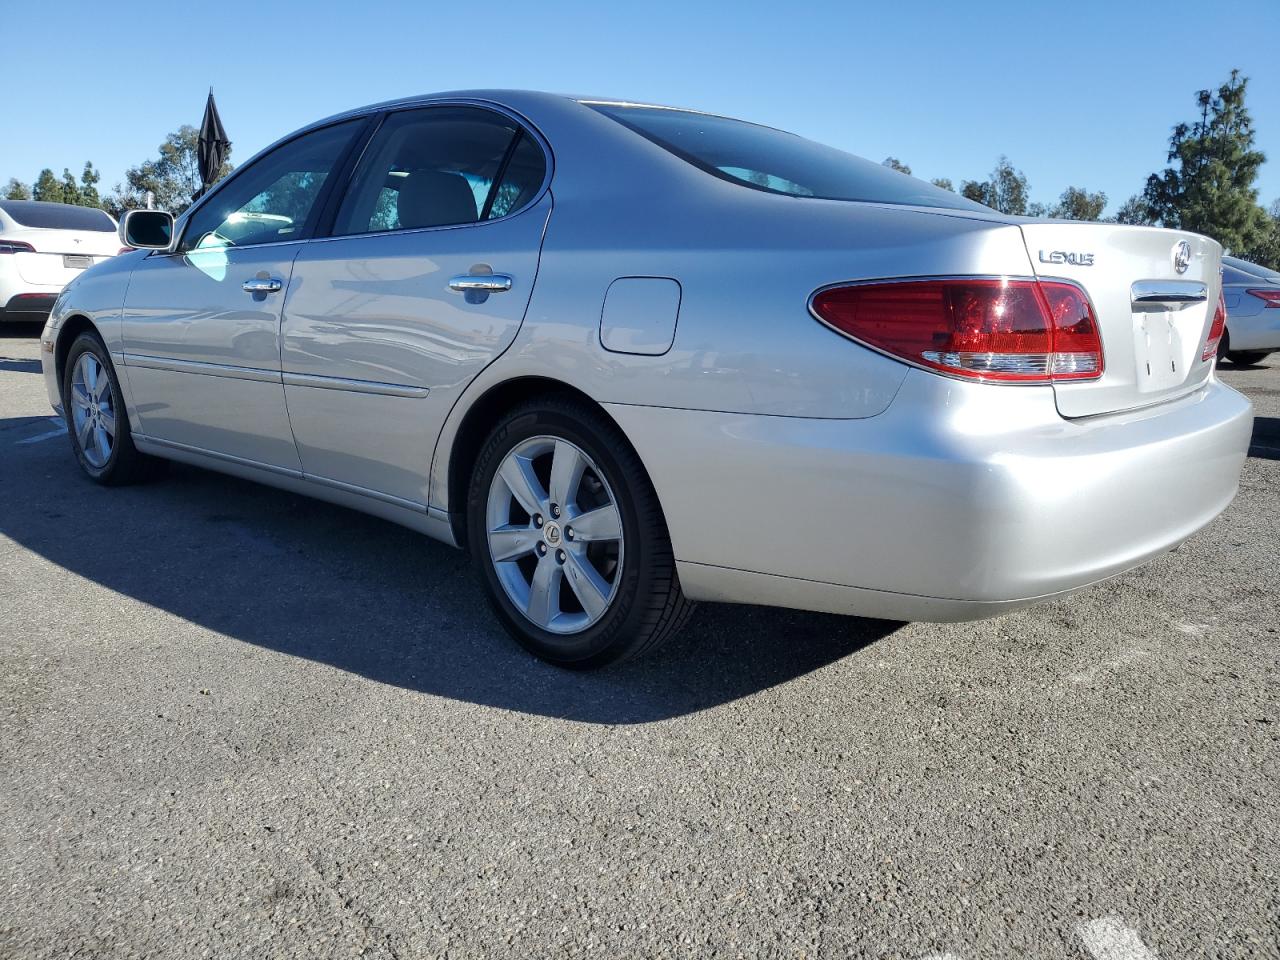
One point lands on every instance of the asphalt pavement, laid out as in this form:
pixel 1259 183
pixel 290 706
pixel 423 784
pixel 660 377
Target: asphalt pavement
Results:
pixel 238 723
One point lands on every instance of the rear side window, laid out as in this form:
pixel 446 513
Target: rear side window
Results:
pixel 438 167
pixel 767 159
pixel 57 216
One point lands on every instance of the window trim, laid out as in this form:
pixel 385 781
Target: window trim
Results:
pixel 359 137
pixel 524 128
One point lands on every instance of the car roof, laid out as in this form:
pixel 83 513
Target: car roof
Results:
pixel 17 206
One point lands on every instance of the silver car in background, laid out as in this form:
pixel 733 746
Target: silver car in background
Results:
pixel 1252 296
pixel 632 357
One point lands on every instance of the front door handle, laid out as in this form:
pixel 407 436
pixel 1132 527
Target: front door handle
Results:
pixel 481 283
pixel 263 285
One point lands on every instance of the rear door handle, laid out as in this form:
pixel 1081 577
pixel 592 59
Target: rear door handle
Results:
pixel 263 285
pixel 482 283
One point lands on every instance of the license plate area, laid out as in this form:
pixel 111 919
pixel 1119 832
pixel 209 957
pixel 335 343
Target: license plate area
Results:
pixel 1162 348
pixel 76 261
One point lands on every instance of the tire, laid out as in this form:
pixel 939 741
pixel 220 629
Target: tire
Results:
pixel 574 599
pixel 1247 358
pixel 102 440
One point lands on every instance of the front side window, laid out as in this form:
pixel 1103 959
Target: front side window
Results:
pixel 767 159
pixel 271 200
pixel 441 166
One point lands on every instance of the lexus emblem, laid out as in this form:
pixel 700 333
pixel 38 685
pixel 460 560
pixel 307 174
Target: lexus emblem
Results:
pixel 1181 256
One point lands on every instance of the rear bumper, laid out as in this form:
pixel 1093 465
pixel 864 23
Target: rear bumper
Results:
pixel 28 306
pixel 960 501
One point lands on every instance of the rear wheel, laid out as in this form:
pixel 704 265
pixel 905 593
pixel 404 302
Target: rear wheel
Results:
pixel 1247 358
pixel 565 529
pixel 96 417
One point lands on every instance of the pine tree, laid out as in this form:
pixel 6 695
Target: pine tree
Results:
pixel 89 195
pixel 15 189
pixel 47 187
pixel 70 189
pixel 1209 185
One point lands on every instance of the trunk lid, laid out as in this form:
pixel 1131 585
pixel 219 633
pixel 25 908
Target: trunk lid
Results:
pixel 60 255
pixel 1153 319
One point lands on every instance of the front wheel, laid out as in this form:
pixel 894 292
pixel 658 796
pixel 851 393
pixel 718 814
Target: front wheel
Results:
pixel 96 417
pixel 565 529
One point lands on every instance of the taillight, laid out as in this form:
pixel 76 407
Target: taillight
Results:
pixel 1215 330
pixel 15 246
pixel 1022 331
pixel 125 250
pixel 1272 297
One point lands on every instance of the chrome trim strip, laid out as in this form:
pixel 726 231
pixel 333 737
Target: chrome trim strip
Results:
pixel 173 365
pixel 355 386
pixel 227 457
pixel 1170 293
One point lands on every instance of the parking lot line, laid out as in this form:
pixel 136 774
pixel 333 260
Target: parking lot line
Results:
pixel 1110 939
pixel 62 428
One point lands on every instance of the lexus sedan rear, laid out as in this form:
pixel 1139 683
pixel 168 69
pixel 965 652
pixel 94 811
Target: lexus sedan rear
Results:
pixel 631 357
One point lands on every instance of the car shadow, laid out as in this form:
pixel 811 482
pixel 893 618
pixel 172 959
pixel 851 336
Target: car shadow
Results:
pixel 1266 438
pixel 20 329
pixel 331 585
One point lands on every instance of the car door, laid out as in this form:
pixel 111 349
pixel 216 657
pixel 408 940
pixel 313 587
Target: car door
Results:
pixel 423 279
pixel 201 326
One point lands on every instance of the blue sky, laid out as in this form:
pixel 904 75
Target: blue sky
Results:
pixel 1074 92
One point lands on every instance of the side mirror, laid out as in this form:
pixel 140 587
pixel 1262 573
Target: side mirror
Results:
pixel 147 229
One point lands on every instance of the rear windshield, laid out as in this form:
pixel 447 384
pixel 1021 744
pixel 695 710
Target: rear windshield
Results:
pixel 767 159
pixel 56 216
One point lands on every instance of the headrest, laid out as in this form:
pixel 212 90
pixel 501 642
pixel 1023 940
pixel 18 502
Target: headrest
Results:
pixel 431 198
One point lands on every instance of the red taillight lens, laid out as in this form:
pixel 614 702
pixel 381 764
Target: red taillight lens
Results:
pixel 1271 296
pixel 1001 330
pixel 1215 330
pixel 15 246
pixel 125 250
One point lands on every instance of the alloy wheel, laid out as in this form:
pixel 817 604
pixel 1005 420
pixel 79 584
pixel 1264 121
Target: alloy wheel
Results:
pixel 93 411
pixel 555 534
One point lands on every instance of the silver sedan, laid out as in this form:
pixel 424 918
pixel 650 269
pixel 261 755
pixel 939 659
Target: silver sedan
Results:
pixel 632 357
pixel 1252 295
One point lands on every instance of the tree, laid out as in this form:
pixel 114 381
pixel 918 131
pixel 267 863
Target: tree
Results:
pixel 1265 248
pixel 47 187
pixel 1209 185
pixel 1006 190
pixel 1078 204
pixel 70 189
pixel 893 163
pixel 944 183
pixel 173 177
pixel 89 186
pixel 1135 211
pixel 16 190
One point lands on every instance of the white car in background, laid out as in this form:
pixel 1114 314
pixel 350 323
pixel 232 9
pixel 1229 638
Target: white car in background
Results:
pixel 43 247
